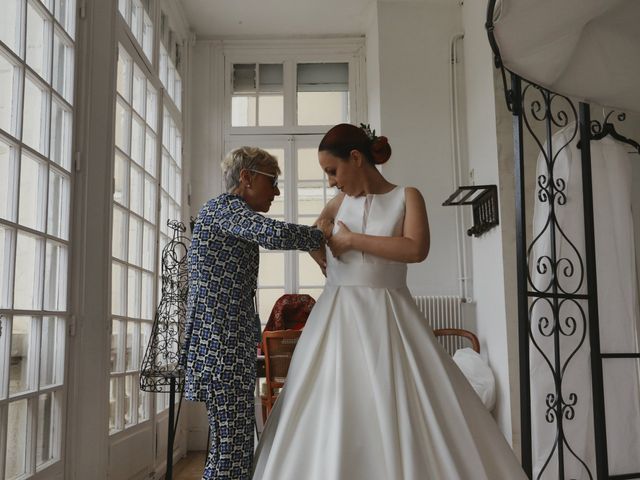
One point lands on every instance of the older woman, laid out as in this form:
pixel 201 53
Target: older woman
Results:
pixel 221 332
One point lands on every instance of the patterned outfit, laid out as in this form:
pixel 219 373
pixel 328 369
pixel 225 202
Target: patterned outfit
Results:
pixel 221 334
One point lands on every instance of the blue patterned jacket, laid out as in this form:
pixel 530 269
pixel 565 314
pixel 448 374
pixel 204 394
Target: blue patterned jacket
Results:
pixel 219 348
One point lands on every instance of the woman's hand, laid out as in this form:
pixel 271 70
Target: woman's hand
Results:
pixel 325 225
pixel 340 242
pixel 320 257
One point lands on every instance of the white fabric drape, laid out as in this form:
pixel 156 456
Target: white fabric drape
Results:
pixel 618 310
pixel 586 49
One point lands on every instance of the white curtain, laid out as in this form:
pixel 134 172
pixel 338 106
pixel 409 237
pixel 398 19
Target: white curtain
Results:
pixel 618 311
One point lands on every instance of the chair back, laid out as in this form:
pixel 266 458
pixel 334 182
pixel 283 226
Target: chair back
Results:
pixel 290 312
pixel 454 338
pixel 278 347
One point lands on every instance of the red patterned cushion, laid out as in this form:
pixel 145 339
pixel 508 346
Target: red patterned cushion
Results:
pixel 290 312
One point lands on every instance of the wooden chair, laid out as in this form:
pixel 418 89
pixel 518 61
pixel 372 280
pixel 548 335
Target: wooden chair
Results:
pixel 278 347
pixel 453 338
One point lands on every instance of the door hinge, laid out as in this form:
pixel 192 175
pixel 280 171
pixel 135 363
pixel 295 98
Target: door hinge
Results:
pixel 82 9
pixel 72 326
pixel 77 164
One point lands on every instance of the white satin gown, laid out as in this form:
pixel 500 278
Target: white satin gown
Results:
pixel 370 394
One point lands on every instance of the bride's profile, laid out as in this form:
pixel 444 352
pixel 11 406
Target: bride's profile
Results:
pixel 370 394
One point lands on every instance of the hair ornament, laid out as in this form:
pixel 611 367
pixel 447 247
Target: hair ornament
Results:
pixel 371 134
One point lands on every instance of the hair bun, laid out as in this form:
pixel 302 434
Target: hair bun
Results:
pixel 380 150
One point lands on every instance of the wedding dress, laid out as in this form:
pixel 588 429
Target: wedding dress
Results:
pixel 370 394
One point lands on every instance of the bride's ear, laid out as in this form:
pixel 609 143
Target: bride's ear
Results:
pixel 357 157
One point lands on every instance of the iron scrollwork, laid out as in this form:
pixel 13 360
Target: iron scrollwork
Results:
pixel 161 361
pixel 557 322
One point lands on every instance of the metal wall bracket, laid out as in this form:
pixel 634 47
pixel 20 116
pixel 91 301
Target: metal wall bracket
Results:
pixel 484 202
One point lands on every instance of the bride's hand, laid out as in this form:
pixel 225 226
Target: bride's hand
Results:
pixel 320 257
pixel 340 242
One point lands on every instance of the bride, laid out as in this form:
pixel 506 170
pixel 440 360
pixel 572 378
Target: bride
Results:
pixel 370 394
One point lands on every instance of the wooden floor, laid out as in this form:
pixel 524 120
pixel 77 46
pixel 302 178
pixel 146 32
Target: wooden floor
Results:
pixel 190 467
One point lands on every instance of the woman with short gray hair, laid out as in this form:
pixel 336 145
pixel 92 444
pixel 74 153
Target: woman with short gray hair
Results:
pixel 222 329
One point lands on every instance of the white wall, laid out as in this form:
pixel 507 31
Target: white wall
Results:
pixel 494 252
pixel 413 45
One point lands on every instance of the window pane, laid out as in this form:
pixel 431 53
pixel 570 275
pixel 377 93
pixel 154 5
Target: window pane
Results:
pixel 323 108
pixel 314 292
pixel 52 351
pixel 120 174
pixel 308 167
pixel 130 361
pixel 147 297
pixel 150 154
pixel 123 121
pixel 137 140
pixel 136 20
pixel 271 272
pixel 139 84
pixel 113 405
pixel 150 199
pixel 124 74
pixel 22 354
pixel 128 400
pixel 33 177
pixel 151 111
pixel 309 271
pixel 16 462
pixel 119 234
pixel 6 246
pixel 135 240
pixel 62 66
pixel 310 198
pixel 60 135
pixel 7 180
pixel 266 299
pixel 48 429
pixel 117 329
pixel 118 282
pixel 8 91
pixel 143 406
pixel 149 247
pixel 65 13
pixel 243 111
pixel 147 36
pixel 34 115
pixel 55 285
pixel 10 23
pixel 244 77
pixel 136 189
pixel 58 211
pixel 271 110
pixel 38 41
pixel 133 297
pixel 145 335
pixel 27 292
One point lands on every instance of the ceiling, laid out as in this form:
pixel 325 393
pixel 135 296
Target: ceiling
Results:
pixel 233 18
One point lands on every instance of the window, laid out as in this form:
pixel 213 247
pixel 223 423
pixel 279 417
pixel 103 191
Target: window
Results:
pixel 285 105
pixel 134 239
pixel 259 94
pixel 147 175
pixel 322 93
pixel 304 192
pixel 36 116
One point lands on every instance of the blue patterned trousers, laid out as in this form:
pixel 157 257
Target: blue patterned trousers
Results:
pixel 231 418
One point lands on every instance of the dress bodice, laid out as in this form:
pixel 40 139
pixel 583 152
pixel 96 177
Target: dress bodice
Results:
pixel 375 214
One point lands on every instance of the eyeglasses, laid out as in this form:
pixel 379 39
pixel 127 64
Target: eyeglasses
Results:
pixel 274 184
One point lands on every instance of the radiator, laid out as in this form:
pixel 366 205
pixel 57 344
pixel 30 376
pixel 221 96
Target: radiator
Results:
pixel 444 311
